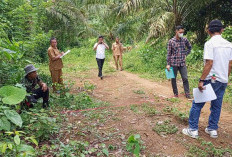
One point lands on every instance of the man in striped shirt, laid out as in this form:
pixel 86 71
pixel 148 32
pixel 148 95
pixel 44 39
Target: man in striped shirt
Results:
pixel 178 48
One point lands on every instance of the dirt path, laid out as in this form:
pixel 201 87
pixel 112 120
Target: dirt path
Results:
pixel 120 88
pixel 126 89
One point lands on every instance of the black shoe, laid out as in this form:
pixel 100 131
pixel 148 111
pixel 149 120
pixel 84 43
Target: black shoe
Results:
pixel 188 96
pixel 101 77
pixel 32 99
pixel 45 105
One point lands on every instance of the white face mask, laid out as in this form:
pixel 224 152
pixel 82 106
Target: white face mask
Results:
pixel 180 35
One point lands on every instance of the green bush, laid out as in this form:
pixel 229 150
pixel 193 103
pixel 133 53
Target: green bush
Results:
pixel 36 47
pixel 227 34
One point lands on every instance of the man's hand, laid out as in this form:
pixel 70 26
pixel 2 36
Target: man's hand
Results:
pixel 201 86
pixel 105 45
pixel 168 67
pixel 44 87
pixel 58 56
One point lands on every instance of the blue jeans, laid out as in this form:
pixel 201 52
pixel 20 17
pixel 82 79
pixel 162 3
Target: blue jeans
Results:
pixel 216 105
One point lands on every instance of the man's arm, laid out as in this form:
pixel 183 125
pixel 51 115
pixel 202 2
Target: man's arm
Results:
pixel 95 46
pixel 205 73
pixel 52 55
pixel 43 85
pixel 230 66
pixel 189 47
pixel 107 47
pixel 112 47
pixel 169 54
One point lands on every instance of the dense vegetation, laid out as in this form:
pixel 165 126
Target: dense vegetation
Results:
pixel 146 25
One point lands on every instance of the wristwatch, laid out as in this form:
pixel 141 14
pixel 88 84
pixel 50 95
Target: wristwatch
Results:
pixel 201 80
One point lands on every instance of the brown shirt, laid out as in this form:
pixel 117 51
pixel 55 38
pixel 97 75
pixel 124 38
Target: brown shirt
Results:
pixel 54 64
pixel 117 48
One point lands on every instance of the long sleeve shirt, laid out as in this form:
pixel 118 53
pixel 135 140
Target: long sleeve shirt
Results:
pixel 54 64
pixel 177 51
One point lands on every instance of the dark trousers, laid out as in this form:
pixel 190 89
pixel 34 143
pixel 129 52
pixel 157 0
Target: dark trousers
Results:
pixel 184 76
pixel 38 93
pixel 100 63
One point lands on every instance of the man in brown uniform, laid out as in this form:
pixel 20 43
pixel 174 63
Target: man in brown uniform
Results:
pixel 55 63
pixel 117 48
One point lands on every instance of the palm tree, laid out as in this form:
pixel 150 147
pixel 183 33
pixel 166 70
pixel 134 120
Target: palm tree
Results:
pixel 163 14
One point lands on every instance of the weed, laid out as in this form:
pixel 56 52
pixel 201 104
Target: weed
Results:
pixel 164 128
pixel 88 86
pixel 138 92
pixel 133 144
pixel 208 149
pixel 149 110
pixel 179 114
pixel 173 100
pixel 134 108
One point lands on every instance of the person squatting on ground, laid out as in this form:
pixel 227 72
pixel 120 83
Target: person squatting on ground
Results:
pixel 177 50
pixel 118 49
pixel 30 81
pixel 100 47
pixel 55 64
pixel 218 62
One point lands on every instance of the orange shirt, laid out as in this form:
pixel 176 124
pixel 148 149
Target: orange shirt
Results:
pixel 54 64
pixel 117 48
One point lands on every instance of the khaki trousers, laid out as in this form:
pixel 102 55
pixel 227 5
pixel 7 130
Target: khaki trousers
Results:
pixel 56 78
pixel 116 59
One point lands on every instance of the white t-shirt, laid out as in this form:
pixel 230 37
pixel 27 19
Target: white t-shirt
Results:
pixel 100 52
pixel 220 51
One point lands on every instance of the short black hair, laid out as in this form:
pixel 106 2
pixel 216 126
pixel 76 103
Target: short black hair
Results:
pixel 52 38
pixel 179 27
pixel 215 29
pixel 100 37
pixel 215 26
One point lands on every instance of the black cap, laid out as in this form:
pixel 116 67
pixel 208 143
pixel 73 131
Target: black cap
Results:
pixel 215 24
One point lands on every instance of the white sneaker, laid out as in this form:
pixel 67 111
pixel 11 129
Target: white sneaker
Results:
pixel 191 133
pixel 212 133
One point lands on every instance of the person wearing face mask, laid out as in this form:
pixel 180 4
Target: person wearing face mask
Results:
pixel 178 48
pixel 218 62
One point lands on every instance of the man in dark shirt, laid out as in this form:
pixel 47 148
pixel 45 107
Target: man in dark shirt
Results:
pixel 178 48
pixel 30 81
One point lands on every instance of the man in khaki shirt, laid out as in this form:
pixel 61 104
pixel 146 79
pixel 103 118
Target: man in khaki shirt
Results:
pixel 55 63
pixel 117 49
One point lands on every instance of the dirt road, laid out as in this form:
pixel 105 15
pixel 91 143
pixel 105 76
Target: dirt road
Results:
pixel 126 89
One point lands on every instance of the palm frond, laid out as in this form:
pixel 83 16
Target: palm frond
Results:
pixel 161 25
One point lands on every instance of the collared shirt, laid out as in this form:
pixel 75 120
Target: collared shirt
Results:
pixel 117 48
pixel 220 51
pixel 30 85
pixel 54 64
pixel 100 52
pixel 177 51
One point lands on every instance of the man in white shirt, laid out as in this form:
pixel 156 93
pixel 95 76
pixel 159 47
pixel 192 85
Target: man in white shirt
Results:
pixel 218 63
pixel 100 47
